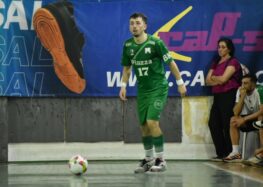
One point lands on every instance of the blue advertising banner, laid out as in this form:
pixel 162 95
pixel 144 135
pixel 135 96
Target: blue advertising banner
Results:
pixel 190 29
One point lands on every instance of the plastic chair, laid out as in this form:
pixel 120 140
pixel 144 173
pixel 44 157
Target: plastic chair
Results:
pixel 244 142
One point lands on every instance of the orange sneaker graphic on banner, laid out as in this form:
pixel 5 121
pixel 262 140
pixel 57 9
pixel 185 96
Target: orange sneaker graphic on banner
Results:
pixel 58 33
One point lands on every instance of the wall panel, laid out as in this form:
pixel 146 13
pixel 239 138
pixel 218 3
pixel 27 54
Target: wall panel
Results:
pixel 94 120
pixel 36 120
pixel 3 131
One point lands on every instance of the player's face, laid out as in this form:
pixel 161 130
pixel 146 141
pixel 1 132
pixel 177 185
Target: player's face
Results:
pixel 247 84
pixel 222 49
pixel 137 26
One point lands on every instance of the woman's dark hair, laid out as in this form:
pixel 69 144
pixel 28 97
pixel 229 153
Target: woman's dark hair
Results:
pixel 229 45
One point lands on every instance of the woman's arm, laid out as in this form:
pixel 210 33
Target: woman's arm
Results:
pixel 228 73
pixel 208 80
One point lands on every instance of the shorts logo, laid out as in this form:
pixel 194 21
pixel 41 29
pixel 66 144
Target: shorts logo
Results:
pixel 158 104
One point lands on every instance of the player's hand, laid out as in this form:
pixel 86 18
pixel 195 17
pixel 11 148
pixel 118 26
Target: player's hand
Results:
pixel 213 78
pixel 237 121
pixel 242 91
pixel 122 94
pixel 233 121
pixel 240 122
pixel 182 90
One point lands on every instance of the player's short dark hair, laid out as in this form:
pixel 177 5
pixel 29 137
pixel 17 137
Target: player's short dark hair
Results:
pixel 139 15
pixel 252 77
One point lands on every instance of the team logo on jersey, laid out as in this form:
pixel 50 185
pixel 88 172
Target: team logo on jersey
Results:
pixel 147 50
pixel 132 52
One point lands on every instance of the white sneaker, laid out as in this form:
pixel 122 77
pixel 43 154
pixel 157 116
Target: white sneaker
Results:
pixel 252 161
pixel 144 166
pixel 233 157
pixel 159 166
pixel 258 124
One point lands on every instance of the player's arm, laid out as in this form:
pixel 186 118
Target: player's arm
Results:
pixel 166 57
pixel 240 102
pixel 259 114
pixel 254 116
pixel 126 72
pixel 175 71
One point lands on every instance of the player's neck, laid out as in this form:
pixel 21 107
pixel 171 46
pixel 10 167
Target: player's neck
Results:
pixel 250 91
pixel 140 39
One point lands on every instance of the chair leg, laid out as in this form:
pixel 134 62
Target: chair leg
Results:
pixel 244 145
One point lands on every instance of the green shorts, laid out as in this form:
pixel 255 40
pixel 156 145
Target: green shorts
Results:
pixel 150 106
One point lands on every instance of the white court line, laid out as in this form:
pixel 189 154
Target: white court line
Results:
pixel 234 173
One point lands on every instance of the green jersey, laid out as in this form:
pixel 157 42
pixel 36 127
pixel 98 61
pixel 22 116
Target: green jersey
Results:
pixel 147 60
pixel 260 91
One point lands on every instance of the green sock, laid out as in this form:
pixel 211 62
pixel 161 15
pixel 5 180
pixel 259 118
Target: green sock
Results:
pixel 158 143
pixel 147 142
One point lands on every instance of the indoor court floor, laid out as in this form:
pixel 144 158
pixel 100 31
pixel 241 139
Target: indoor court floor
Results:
pixel 120 174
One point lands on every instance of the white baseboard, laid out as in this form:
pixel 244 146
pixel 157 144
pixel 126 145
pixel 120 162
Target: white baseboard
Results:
pixel 103 151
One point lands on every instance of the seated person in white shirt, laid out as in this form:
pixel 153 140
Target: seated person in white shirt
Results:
pixel 247 110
